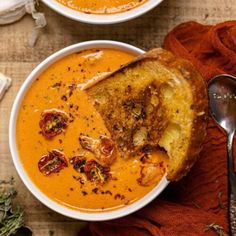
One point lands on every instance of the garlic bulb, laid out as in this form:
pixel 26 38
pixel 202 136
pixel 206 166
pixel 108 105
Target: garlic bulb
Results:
pixel 13 10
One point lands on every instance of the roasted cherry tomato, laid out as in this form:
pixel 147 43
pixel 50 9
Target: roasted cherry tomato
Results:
pixel 53 162
pixel 107 146
pixel 151 173
pixel 102 148
pixel 78 163
pixel 53 122
pixel 96 173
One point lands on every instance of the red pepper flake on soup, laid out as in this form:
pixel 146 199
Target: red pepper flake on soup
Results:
pixel 53 122
pixel 96 173
pixel 78 163
pixel 53 162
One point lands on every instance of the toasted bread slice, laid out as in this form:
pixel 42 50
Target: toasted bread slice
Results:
pixel 156 100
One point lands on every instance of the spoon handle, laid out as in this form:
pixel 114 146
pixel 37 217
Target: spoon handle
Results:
pixel 232 213
pixel 232 185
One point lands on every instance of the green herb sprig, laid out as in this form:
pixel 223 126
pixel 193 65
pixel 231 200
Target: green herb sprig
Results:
pixel 217 228
pixel 10 220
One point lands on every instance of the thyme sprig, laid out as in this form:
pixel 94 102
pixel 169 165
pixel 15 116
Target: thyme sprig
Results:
pixel 10 220
pixel 11 181
pixel 217 228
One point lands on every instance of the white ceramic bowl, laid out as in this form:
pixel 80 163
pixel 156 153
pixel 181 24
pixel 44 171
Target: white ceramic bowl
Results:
pixel 13 146
pixel 102 19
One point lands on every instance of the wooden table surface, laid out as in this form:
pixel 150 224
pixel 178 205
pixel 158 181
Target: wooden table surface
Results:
pixel 17 60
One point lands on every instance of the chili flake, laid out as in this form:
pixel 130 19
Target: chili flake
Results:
pixel 78 163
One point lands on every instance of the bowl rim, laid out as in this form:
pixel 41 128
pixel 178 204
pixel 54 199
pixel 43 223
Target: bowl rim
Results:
pixel 102 19
pixel 43 198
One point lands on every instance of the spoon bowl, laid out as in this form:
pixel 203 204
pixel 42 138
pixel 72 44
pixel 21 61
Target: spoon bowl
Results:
pixel 222 96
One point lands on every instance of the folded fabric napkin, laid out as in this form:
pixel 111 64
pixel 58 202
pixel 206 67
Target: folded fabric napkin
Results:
pixel 197 205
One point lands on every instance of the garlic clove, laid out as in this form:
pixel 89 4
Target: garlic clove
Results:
pixel 5 83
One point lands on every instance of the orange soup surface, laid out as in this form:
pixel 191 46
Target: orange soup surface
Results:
pixel 53 117
pixel 102 6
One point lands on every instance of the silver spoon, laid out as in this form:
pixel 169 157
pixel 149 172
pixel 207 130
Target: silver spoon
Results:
pixel 222 98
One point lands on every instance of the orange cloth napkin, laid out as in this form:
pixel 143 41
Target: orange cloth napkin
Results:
pixel 188 207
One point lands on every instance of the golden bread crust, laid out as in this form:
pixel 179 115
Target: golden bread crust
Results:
pixel 200 108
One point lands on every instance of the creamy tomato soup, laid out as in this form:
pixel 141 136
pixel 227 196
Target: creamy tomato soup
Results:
pixel 55 124
pixel 102 6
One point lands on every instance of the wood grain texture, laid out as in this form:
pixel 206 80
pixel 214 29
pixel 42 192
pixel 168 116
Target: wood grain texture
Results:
pixel 17 60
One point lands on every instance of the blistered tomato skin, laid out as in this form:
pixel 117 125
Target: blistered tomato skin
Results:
pixel 102 148
pixel 53 162
pixel 53 122
pixel 96 173
pixel 107 146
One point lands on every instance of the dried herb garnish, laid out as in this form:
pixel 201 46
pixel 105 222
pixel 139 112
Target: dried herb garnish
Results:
pixel 53 162
pixel 217 228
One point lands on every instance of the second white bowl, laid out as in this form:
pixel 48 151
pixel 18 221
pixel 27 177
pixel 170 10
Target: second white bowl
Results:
pixel 102 19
